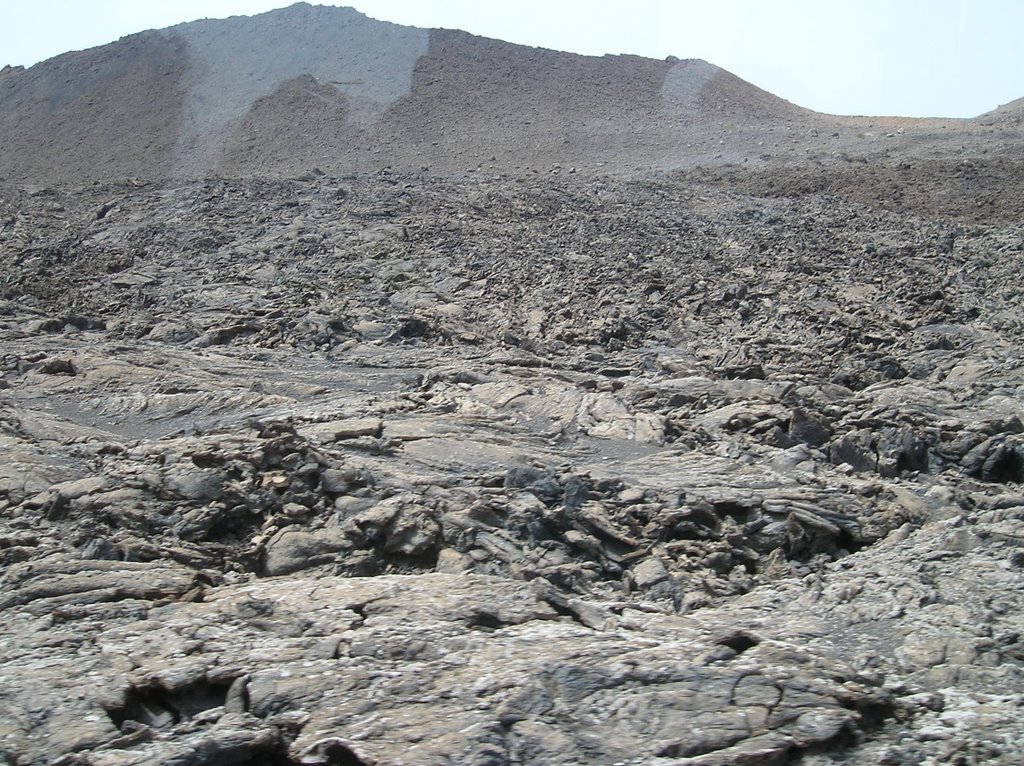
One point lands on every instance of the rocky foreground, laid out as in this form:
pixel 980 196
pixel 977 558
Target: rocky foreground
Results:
pixel 399 470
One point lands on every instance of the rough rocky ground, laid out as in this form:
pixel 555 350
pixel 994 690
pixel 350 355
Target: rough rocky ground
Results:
pixel 399 469
pixel 421 458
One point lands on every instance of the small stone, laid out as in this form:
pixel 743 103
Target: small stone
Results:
pixel 334 481
pixel 649 572
pixel 58 367
pixel 450 561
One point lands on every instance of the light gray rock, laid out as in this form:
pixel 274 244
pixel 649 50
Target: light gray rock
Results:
pixel 293 549
pixel 649 572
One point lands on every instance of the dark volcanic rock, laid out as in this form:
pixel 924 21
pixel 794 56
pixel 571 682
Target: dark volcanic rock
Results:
pixel 369 463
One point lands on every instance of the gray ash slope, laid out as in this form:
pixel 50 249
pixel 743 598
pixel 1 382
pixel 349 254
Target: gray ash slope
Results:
pixel 310 86
pixel 381 465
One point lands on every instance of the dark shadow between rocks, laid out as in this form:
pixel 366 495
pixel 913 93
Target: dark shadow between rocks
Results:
pixel 159 708
pixel 155 708
pixel 739 641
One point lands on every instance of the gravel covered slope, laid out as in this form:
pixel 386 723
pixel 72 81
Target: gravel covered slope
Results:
pixel 320 87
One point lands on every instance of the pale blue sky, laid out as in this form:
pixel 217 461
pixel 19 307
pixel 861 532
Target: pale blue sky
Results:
pixel 949 58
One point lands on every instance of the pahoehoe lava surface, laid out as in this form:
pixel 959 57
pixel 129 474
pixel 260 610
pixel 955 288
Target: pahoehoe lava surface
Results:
pixel 376 395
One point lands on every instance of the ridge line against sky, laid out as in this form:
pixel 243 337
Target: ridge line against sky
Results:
pixel 915 58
